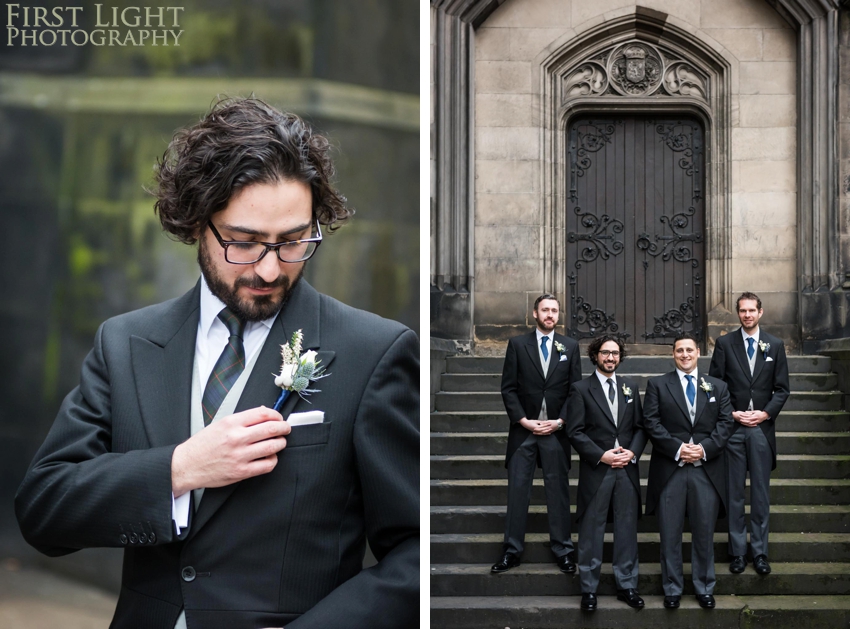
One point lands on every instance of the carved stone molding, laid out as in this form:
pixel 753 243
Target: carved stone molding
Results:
pixel 635 68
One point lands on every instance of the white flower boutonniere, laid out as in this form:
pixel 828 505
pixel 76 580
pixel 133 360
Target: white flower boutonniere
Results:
pixel 627 391
pixel 706 386
pixel 764 347
pixel 297 370
pixel 560 347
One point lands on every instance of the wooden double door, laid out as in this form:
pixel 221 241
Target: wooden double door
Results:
pixel 634 228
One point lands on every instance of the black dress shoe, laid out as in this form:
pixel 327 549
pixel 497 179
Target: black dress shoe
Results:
pixel 588 601
pixel 631 597
pixel 706 601
pixel 672 602
pixel 567 563
pixel 761 565
pixel 738 564
pixel 505 563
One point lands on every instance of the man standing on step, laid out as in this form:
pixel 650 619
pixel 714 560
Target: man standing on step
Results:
pixel 604 424
pixel 539 369
pixel 688 417
pixel 753 365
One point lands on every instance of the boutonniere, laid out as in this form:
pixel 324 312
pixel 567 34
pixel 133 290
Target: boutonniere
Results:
pixel 706 386
pixel 764 347
pixel 627 391
pixel 560 347
pixel 297 370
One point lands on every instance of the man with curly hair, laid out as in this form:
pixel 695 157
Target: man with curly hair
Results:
pixel 231 513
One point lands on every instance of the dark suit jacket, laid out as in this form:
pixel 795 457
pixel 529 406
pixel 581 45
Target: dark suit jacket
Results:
pixel 285 548
pixel 668 424
pixel 592 432
pixel 767 386
pixel 524 385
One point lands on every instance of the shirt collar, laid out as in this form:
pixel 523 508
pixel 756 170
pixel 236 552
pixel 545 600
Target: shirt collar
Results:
pixel 682 374
pixel 540 335
pixel 746 336
pixel 602 379
pixel 211 306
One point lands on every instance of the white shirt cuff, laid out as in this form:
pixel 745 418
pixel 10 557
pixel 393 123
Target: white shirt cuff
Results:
pixel 180 511
pixel 679 451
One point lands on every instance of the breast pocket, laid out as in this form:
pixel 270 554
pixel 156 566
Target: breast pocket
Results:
pixel 309 435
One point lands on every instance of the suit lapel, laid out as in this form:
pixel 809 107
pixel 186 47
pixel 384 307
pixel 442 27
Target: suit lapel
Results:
pixel 621 401
pixel 675 388
pixel 702 403
pixel 554 358
pixel 533 353
pixel 162 367
pixel 741 353
pixel 759 358
pixel 301 312
pixel 598 395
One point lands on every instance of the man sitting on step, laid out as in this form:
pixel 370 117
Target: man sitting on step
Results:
pixel 539 369
pixel 753 365
pixel 605 426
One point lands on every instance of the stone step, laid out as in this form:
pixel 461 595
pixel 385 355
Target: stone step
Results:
pixel 544 579
pixel 788 491
pixel 495 421
pixel 491 519
pixel 482 548
pixel 492 382
pixel 632 364
pixel 493 466
pixel 494 443
pixel 557 612
pixel 797 401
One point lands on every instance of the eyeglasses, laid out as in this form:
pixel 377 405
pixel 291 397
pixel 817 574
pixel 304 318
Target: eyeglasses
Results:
pixel 251 252
pixel 605 353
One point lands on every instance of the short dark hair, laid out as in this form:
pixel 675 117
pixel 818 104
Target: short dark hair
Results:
pixel 545 296
pixel 747 295
pixel 240 142
pixel 597 343
pixel 685 336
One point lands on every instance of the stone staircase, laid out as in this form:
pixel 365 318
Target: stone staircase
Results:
pixel 810 519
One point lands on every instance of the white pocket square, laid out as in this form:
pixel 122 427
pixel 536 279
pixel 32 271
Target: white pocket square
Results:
pixel 713 399
pixel 305 418
pixel 768 360
pixel 562 358
pixel 630 401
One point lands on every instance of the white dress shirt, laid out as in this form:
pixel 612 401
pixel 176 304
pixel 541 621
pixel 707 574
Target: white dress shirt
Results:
pixel 212 337
pixel 691 409
pixel 752 361
pixel 544 363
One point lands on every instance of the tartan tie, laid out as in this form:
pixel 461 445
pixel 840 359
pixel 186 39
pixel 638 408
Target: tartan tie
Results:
pixel 227 369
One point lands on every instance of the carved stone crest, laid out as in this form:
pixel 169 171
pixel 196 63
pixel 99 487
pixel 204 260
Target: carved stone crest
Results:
pixel 635 69
pixel 635 63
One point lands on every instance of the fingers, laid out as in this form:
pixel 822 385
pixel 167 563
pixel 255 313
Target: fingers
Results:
pixel 268 429
pixel 264 449
pixel 255 416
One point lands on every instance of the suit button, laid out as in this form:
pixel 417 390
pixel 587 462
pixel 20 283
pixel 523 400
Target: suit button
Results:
pixel 152 538
pixel 123 538
pixel 143 539
pixel 133 538
pixel 188 574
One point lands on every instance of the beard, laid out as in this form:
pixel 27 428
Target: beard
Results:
pixel 256 308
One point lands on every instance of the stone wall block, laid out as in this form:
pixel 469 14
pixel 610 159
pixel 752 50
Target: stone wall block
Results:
pixel 758 176
pixel 498 308
pixel 503 77
pixel 506 209
pixel 514 242
pixel 757 209
pixel 768 77
pixel 735 13
pixel 507 143
pixel 497 176
pixel 584 10
pixel 844 101
pixel 744 43
pixel 844 140
pixel 537 13
pixel 506 275
pixel 767 241
pixel 764 274
pixel 773 110
pixel 527 43
pixel 780 44
pixel 764 143
pixel 503 110
pixel 492 44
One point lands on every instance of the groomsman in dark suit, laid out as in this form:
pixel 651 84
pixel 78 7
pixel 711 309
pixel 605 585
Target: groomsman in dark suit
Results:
pixel 539 368
pixel 604 424
pixel 753 365
pixel 688 417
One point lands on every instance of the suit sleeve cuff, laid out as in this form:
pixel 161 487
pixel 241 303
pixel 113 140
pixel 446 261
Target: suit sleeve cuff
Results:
pixel 180 511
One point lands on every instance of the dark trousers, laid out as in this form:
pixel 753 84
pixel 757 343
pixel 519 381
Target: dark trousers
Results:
pixel 748 449
pixel 689 488
pixel 591 536
pixel 556 483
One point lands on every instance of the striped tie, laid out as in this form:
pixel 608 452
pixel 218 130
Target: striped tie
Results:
pixel 227 369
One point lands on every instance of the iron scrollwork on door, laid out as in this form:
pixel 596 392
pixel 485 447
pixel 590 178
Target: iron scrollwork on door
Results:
pixel 584 314
pixel 596 237
pixel 672 246
pixel 672 323
pixel 589 140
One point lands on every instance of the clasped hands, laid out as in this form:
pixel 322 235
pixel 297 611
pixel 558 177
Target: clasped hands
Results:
pixel 539 427
pixel 691 453
pixel 617 457
pixel 229 450
pixel 749 418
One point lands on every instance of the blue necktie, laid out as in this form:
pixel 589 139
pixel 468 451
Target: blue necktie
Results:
pixel 691 390
pixel 750 350
pixel 543 347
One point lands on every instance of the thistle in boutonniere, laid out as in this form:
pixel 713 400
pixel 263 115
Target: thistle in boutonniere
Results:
pixel 764 347
pixel 706 386
pixel 627 391
pixel 297 370
pixel 560 347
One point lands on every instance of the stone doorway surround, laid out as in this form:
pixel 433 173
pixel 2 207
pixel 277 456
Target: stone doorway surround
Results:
pixel 821 264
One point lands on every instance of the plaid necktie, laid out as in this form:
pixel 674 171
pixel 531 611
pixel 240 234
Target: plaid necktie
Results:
pixel 227 369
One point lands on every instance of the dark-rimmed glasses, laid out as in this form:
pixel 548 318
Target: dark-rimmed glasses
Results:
pixel 605 353
pixel 251 252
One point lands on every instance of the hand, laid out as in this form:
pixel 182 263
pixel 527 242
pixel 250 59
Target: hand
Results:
pixel 742 417
pixel 529 424
pixel 617 457
pixel 691 453
pixel 757 417
pixel 232 449
pixel 546 427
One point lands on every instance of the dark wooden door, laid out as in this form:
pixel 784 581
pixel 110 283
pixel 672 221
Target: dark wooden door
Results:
pixel 634 228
